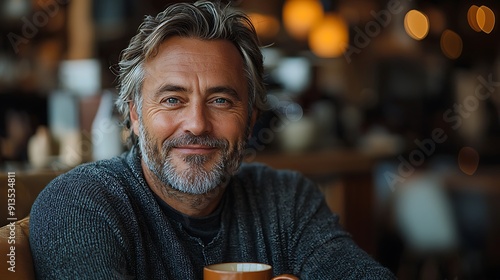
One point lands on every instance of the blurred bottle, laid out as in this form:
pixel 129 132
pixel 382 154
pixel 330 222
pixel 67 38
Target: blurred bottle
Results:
pixel 106 131
pixel 40 148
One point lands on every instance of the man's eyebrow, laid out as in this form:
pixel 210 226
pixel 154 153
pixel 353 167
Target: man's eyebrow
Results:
pixel 171 88
pixel 224 89
pixel 217 89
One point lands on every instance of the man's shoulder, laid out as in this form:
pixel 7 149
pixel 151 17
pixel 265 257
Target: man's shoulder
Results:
pixel 105 187
pixel 98 170
pixel 93 177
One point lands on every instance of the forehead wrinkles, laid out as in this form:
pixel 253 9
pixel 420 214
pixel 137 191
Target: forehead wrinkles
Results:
pixel 218 61
pixel 191 62
pixel 191 50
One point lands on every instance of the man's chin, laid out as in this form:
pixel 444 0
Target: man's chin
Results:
pixel 195 161
pixel 195 183
pixel 196 192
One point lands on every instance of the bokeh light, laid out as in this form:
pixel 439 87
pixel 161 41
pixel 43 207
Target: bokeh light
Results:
pixel 472 18
pixel 416 24
pixel 299 16
pixel 468 160
pixel 451 44
pixel 485 19
pixel 481 18
pixel 330 37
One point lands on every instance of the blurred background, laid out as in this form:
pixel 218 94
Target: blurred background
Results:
pixel 393 107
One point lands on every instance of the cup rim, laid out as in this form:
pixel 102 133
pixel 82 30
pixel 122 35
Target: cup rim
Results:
pixel 216 267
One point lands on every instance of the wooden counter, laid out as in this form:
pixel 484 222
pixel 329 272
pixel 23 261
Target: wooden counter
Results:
pixel 319 163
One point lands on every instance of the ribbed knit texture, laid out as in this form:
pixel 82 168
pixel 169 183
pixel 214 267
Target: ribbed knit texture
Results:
pixel 101 221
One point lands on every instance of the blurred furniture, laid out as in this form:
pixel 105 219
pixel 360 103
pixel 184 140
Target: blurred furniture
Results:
pixel 477 213
pixel 449 227
pixel 19 259
pixel 425 219
pixel 27 186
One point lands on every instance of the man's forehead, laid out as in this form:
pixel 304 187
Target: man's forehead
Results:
pixel 181 61
pixel 191 49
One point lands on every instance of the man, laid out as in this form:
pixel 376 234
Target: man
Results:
pixel 191 88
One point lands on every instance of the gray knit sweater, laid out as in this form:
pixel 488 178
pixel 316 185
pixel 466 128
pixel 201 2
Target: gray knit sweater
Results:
pixel 101 221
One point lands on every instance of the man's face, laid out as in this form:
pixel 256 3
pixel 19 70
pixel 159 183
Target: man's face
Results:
pixel 194 120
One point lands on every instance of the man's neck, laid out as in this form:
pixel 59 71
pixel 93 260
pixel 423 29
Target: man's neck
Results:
pixel 193 205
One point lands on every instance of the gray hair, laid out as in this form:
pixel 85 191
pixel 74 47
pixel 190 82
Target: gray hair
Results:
pixel 204 20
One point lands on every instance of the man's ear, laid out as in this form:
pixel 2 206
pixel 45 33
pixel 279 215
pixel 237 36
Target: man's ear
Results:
pixel 134 118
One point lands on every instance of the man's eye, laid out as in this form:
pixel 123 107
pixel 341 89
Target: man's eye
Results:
pixel 171 100
pixel 221 101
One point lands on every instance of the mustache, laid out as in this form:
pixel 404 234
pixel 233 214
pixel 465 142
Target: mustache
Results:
pixel 189 139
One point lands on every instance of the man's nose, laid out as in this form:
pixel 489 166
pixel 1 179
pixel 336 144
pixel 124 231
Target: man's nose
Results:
pixel 197 120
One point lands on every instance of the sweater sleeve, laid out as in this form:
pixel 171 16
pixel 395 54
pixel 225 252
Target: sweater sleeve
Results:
pixel 74 231
pixel 320 247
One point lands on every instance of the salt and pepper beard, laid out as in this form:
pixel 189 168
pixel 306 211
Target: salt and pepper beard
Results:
pixel 195 179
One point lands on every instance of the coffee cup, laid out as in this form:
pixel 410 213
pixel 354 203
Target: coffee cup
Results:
pixel 242 271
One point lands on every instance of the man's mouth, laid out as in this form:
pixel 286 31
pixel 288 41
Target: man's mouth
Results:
pixel 195 149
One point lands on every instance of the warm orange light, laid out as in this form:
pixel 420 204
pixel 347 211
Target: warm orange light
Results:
pixel 299 16
pixel 485 19
pixel 266 26
pixel 330 37
pixel 416 24
pixel 481 18
pixel 472 18
pixel 451 44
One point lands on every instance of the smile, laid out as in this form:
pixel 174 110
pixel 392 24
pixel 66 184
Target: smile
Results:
pixel 195 149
